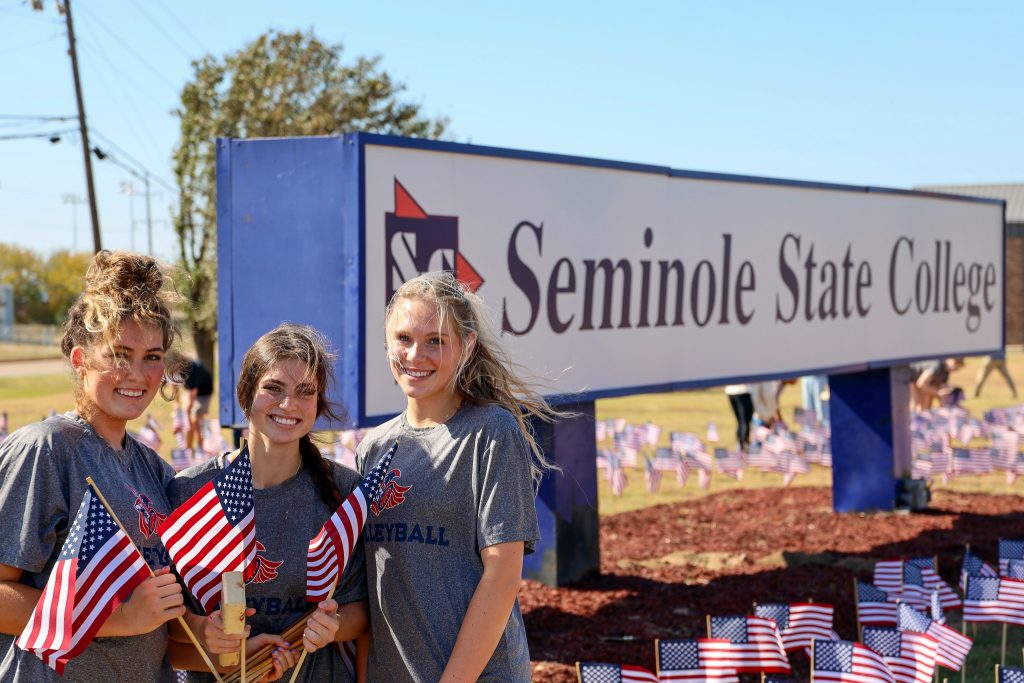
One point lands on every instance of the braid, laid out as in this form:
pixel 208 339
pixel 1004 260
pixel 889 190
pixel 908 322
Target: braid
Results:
pixel 320 472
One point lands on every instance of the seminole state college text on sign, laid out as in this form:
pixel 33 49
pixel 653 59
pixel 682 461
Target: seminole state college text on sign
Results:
pixel 605 279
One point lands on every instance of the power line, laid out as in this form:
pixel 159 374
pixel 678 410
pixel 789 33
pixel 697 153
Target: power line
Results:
pixel 22 46
pixel 159 27
pixel 142 60
pixel 135 162
pixel 33 117
pixel 183 27
pixel 120 92
pixel 51 135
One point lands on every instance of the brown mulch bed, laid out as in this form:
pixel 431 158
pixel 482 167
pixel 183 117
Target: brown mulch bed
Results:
pixel 664 568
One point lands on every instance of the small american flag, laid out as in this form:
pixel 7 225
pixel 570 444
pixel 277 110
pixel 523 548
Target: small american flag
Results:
pixel 179 423
pixel 616 475
pixel 712 433
pixel 652 475
pixel 889 575
pixel 933 582
pixel 910 655
pixel 973 566
pixel 973 461
pixel 914 592
pixel 799 623
pixel 1015 569
pixel 1009 549
pixel 598 672
pixel 1009 674
pixel 841 661
pixel 994 599
pixel 729 463
pixel 601 430
pixel 97 569
pixel 696 660
pixel 756 644
pixel 214 531
pixel 875 606
pixel 329 551
pixel 652 433
pixel 953 646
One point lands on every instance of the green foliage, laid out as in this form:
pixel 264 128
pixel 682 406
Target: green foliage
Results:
pixel 281 84
pixel 44 289
pixel 23 268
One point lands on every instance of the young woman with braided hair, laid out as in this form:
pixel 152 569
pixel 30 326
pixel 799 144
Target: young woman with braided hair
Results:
pixel 282 388
pixel 115 338
pixel 445 550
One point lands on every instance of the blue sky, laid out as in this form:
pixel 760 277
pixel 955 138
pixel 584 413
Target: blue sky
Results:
pixel 883 93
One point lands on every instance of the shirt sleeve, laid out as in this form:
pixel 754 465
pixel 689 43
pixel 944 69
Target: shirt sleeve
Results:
pixel 506 510
pixel 33 502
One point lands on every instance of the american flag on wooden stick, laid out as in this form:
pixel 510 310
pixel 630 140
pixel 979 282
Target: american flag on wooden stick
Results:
pixel 875 606
pixel 1009 549
pixel 799 623
pixel 214 531
pixel 329 551
pixel 910 655
pixel 600 672
pixel 953 646
pixel 695 660
pixel 756 644
pixel 933 582
pixel 841 661
pixel 996 599
pixel 97 569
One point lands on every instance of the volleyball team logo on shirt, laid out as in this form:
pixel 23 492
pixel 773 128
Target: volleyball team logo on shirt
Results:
pixel 416 243
pixel 262 569
pixel 392 493
pixel 149 519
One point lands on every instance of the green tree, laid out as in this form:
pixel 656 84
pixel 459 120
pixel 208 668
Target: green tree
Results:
pixel 281 84
pixel 63 277
pixel 23 268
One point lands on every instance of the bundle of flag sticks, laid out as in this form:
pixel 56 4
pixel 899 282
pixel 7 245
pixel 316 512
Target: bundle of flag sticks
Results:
pixel 262 662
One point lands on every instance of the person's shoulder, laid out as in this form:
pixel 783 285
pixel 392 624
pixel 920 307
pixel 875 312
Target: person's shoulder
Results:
pixel 382 432
pixel 493 417
pixel 151 457
pixel 190 480
pixel 346 478
pixel 57 436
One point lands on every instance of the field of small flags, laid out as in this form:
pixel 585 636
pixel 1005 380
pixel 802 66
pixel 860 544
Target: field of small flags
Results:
pixel 911 626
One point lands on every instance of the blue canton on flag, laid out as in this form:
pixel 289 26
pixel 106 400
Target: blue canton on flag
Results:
pixel 1010 674
pixel 777 611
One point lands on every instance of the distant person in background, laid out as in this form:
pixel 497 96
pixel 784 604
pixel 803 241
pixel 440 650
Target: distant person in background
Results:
pixel 194 400
pixel 815 395
pixel 765 396
pixel 930 381
pixel 743 409
pixel 997 362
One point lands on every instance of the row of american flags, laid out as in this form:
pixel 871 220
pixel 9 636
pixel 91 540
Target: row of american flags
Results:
pixel 903 635
pixel 623 447
pixel 946 443
pixel 211 533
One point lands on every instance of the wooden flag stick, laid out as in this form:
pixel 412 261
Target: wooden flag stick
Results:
pixel 302 657
pixel 232 614
pixel 707 619
pixel 815 640
pixel 181 620
pixel 261 661
pixel 856 608
pixel 1002 650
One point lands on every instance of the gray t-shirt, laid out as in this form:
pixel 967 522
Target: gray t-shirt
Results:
pixel 288 515
pixel 43 467
pixel 457 488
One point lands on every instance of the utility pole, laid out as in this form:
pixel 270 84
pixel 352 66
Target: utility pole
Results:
pixel 84 130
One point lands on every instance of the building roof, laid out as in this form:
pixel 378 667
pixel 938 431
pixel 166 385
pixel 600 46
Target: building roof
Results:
pixel 1013 193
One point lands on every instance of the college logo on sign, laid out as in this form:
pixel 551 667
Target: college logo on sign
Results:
pixel 416 243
